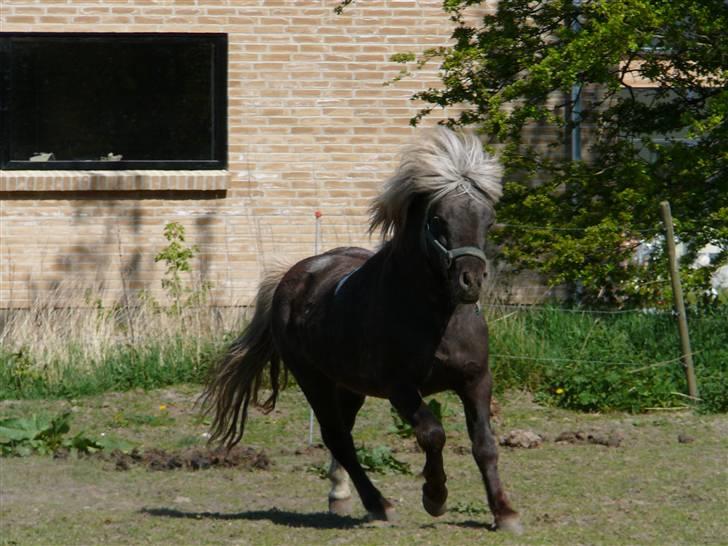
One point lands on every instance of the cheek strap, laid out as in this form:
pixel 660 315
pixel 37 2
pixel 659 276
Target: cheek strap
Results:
pixel 450 256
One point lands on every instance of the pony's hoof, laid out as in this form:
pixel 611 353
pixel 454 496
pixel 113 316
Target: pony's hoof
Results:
pixel 435 509
pixel 341 507
pixel 510 524
pixel 384 513
pixel 438 507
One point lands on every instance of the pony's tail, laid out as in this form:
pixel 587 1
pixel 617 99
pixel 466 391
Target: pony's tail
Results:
pixel 237 378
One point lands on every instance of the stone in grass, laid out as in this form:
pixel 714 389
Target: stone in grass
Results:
pixel 685 438
pixel 526 439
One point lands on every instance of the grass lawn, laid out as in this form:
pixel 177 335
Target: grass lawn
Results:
pixel 651 489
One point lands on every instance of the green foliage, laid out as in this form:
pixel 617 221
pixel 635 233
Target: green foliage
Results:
pixel 319 470
pixel 469 508
pixel 403 429
pixel 608 362
pixel 177 256
pixel 515 68
pixel 18 371
pixel 406 57
pixel 44 435
pixel 380 460
pixel 714 391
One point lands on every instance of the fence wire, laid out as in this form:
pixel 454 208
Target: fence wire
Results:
pixel 588 361
pixel 534 227
pixel 547 308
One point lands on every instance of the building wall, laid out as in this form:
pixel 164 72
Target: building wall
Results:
pixel 311 127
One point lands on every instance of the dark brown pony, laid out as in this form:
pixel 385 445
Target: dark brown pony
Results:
pixel 400 324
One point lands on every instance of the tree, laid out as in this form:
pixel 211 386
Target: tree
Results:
pixel 533 65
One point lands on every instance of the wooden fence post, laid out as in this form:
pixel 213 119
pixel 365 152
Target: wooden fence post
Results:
pixel 682 321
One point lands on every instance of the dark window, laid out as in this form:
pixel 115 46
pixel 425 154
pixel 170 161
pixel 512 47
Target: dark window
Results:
pixel 113 101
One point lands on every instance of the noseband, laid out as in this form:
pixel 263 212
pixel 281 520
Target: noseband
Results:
pixel 451 255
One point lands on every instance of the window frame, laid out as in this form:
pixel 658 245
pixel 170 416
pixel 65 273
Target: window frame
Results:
pixel 219 98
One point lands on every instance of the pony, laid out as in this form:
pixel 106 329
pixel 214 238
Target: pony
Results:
pixel 400 323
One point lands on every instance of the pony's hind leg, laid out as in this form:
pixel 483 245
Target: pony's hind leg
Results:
pixel 431 438
pixel 476 400
pixel 340 495
pixel 336 434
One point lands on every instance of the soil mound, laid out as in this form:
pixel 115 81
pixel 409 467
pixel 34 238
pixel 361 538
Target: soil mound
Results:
pixel 191 459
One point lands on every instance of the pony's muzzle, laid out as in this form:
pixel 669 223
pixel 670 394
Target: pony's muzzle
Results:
pixel 470 281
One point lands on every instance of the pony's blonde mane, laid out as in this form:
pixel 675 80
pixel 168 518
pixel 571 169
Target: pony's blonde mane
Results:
pixel 442 162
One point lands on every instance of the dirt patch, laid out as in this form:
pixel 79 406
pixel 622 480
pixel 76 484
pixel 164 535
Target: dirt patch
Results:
pixel 188 459
pixel 525 439
pixel 610 439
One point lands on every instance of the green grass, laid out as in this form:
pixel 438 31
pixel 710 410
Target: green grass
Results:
pixel 148 366
pixel 597 362
pixel 650 490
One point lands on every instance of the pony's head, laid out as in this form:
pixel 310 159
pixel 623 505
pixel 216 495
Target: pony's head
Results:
pixel 444 189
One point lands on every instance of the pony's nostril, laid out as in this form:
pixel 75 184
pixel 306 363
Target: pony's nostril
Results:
pixel 466 280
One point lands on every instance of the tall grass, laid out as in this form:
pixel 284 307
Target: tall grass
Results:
pixel 598 361
pixel 69 344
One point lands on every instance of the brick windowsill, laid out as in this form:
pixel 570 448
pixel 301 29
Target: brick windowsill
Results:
pixel 139 180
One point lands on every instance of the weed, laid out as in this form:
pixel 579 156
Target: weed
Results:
pixel 403 429
pixel 176 255
pixel 321 470
pixel 469 508
pixel 44 435
pixel 380 460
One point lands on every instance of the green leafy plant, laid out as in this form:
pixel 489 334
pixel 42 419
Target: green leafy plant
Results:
pixel 321 470
pixel 44 435
pixel 20 370
pixel 380 460
pixel 403 429
pixel 469 508
pixel 177 256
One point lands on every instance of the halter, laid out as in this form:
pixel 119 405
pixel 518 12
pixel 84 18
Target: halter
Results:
pixel 451 255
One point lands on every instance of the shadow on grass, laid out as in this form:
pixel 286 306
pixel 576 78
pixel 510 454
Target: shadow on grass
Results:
pixel 468 524
pixel 315 520
pixel 472 524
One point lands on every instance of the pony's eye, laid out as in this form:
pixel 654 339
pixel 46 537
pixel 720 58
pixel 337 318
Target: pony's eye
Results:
pixel 435 226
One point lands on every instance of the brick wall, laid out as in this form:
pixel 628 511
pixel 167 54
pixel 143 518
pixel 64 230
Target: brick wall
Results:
pixel 310 127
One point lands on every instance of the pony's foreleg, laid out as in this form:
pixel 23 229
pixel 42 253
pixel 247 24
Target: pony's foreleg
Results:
pixel 340 495
pixel 431 438
pixel 476 400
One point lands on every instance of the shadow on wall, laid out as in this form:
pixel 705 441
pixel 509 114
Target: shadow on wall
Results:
pixel 112 238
